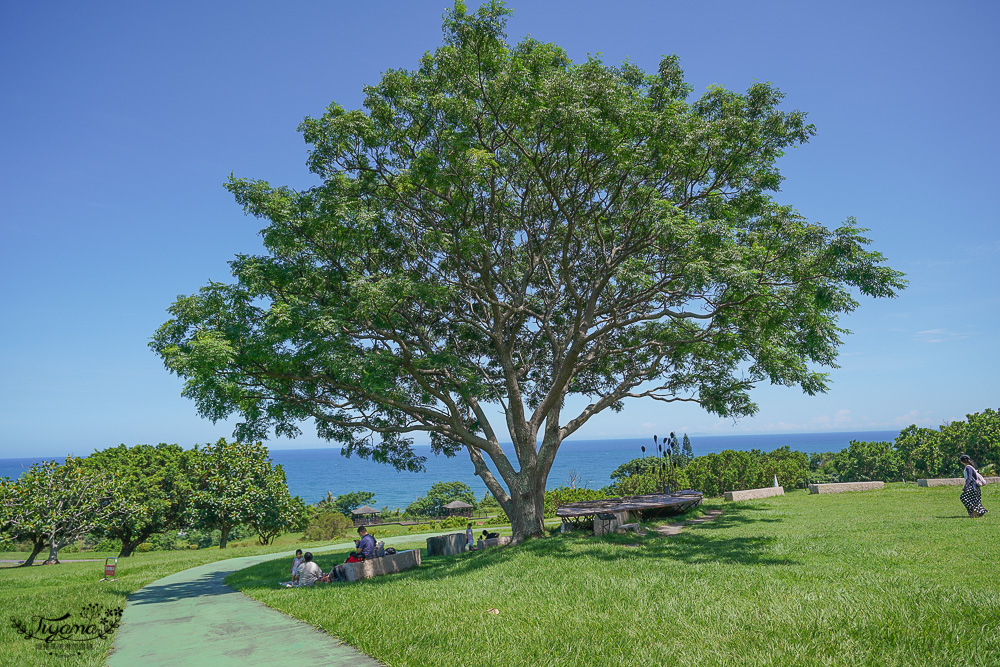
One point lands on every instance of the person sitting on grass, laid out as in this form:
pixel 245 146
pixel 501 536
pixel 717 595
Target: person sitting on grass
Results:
pixel 309 572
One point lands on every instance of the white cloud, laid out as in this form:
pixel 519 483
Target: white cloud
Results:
pixel 941 335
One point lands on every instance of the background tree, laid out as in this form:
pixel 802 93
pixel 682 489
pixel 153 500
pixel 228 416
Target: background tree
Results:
pixel 502 228
pixel 345 503
pixel 157 483
pixel 54 504
pixel 23 513
pixel 235 485
pixel 279 512
pixel 687 453
pixel 868 461
pixel 439 495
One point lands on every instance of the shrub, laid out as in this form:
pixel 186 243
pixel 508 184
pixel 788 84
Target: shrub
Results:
pixel 327 525
pixel 454 522
pixel 554 498
pixel 420 528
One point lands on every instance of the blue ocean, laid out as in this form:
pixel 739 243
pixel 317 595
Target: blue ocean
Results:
pixel 311 473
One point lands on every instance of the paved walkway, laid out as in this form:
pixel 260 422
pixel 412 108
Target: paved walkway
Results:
pixel 193 618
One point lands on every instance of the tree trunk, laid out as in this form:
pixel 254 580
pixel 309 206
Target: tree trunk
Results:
pixel 53 558
pixel 36 548
pixel 129 545
pixel 224 537
pixel 528 500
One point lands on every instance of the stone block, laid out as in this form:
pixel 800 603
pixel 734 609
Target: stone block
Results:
pixel 446 545
pixel 609 522
pixel 494 542
pixel 376 567
pixel 750 494
pixel 845 487
pixel 952 481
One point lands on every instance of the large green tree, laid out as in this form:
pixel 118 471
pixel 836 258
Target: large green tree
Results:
pixel 236 485
pixel 53 504
pixel 156 479
pixel 503 228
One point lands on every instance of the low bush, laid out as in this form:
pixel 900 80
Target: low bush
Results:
pixel 327 525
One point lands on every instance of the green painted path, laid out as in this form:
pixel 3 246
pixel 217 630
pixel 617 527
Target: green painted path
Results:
pixel 193 618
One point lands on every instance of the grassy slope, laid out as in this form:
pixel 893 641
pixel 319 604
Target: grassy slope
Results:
pixel 53 590
pixel 899 576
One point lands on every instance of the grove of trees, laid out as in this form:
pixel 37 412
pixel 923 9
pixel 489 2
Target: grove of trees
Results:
pixel 129 494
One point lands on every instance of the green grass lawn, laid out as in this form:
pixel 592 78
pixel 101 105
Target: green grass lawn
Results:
pixel 899 577
pixel 53 590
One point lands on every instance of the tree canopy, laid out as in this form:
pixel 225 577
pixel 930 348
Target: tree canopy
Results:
pixel 158 483
pixel 439 495
pixel 503 228
pixel 235 484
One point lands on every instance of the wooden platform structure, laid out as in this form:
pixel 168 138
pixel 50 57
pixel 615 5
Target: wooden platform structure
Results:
pixel 653 504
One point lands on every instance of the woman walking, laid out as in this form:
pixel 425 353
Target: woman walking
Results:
pixel 971 496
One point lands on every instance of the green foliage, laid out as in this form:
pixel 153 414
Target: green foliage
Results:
pixel 328 525
pixel 158 483
pixel 639 466
pixel 439 495
pixel 237 485
pixel 453 522
pixel 54 505
pixel 871 461
pixel 420 528
pixel 562 495
pixel 346 502
pixel 687 453
pixel 503 226
pixel 488 504
pixel 729 470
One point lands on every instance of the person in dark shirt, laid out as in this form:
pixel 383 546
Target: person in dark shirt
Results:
pixel 366 547
pixel 489 536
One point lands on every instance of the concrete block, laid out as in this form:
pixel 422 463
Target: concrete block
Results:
pixel 446 545
pixel 494 542
pixel 952 481
pixel 376 567
pixel 609 522
pixel 750 494
pixel 845 487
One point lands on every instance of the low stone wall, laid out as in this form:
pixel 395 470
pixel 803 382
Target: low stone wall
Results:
pixel 397 562
pixel 446 545
pixel 845 487
pixel 750 494
pixel 952 481
pixel 493 542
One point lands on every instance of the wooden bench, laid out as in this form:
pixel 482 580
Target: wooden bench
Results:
pixel 376 567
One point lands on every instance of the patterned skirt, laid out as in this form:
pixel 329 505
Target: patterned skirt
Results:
pixel 972 497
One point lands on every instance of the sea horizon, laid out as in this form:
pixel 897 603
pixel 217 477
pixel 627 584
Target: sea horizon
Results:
pixel 311 472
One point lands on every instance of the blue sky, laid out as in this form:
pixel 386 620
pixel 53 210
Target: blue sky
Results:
pixel 121 121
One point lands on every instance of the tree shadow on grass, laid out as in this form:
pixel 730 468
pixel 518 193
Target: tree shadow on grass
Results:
pixel 699 543
pixel 212 583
